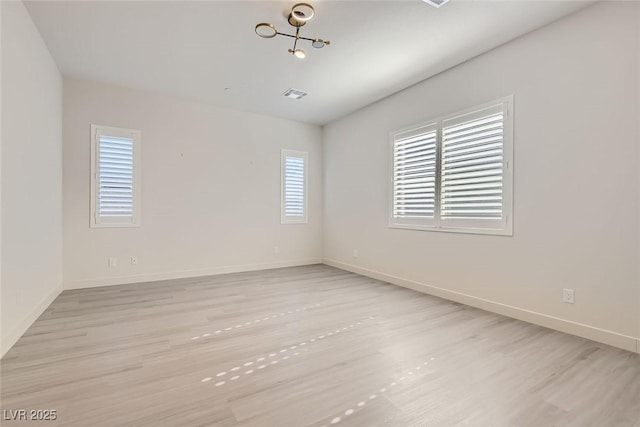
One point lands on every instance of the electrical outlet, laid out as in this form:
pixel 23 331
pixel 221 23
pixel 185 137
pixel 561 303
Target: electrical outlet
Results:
pixel 355 253
pixel 134 260
pixel 113 262
pixel 568 296
pixel 276 250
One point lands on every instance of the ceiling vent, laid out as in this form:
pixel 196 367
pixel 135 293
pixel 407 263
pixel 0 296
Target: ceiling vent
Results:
pixel 294 93
pixel 436 3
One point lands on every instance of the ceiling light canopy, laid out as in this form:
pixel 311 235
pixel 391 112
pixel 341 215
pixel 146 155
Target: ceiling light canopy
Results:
pixel 299 15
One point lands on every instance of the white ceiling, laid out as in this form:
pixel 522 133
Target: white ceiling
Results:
pixel 197 49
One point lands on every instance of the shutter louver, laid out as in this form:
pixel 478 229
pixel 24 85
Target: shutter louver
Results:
pixel 414 174
pixel 472 166
pixel 115 177
pixel 294 187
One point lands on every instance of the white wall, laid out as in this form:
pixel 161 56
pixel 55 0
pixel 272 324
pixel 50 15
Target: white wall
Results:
pixel 210 189
pixel 576 218
pixel 31 274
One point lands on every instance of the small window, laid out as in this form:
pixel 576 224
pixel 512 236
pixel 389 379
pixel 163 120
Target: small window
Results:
pixel 456 173
pixel 115 177
pixel 294 187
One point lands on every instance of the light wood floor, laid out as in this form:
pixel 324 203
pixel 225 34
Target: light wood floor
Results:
pixel 306 346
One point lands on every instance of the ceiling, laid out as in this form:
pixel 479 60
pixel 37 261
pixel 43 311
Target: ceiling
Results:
pixel 208 51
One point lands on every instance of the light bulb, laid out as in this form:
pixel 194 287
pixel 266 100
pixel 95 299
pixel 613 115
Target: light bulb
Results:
pixel 299 53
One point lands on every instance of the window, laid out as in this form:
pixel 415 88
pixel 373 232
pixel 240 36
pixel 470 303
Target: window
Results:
pixel 294 187
pixel 115 177
pixel 455 173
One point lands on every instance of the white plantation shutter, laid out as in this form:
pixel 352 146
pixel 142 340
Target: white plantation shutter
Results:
pixel 115 177
pixel 294 186
pixel 456 174
pixel 472 165
pixel 414 173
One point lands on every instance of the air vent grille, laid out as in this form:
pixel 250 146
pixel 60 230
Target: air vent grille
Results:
pixel 294 93
pixel 436 3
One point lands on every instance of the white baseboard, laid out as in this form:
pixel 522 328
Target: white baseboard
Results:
pixel 21 328
pixel 183 274
pixel 585 331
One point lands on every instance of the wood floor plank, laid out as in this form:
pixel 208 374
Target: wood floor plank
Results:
pixel 305 346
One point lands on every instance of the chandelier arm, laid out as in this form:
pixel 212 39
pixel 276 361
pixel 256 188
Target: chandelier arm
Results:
pixel 295 43
pixel 284 34
pixel 294 37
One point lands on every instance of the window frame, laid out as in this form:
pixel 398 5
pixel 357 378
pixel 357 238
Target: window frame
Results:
pixel 503 227
pixel 284 219
pixel 103 222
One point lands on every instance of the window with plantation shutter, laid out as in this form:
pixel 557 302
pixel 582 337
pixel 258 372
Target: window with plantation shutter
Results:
pixel 414 176
pixel 294 187
pixel 456 174
pixel 115 177
pixel 472 165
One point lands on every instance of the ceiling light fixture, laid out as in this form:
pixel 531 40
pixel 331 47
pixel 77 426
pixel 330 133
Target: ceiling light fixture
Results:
pixel 299 15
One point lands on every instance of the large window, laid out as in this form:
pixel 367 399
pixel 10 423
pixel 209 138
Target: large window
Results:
pixel 455 173
pixel 294 187
pixel 115 177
